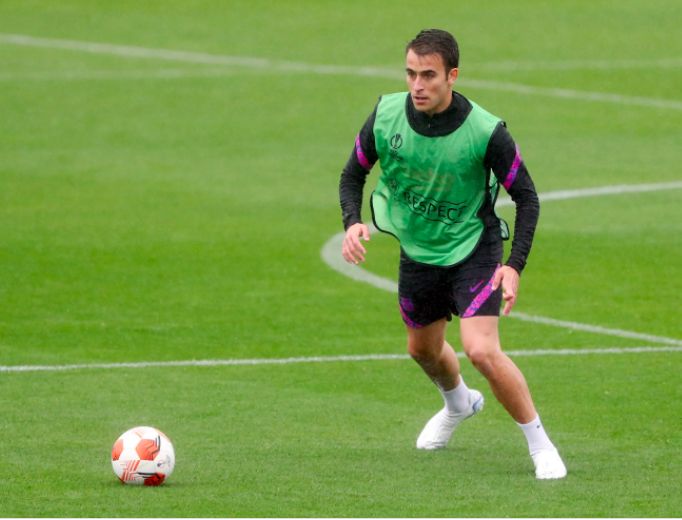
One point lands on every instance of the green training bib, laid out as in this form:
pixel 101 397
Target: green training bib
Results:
pixel 431 188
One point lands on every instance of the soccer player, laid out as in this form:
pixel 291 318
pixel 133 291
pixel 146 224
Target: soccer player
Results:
pixel 436 195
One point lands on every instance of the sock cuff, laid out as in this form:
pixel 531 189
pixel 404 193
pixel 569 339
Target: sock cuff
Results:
pixel 536 436
pixel 456 399
pixel 531 424
pixel 455 389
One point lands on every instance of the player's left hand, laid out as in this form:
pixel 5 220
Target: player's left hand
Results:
pixel 509 278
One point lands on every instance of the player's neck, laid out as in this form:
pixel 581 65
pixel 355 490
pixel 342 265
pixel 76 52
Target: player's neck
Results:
pixel 441 107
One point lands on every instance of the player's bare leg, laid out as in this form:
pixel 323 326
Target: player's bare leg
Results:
pixel 481 343
pixel 428 348
pixel 435 356
pixel 480 339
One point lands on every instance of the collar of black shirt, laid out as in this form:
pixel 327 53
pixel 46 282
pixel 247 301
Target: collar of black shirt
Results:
pixel 442 123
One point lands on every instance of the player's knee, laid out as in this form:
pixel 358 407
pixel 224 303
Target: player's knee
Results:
pixel 416 350
pixel 421 352
pixel 478 356
pixel 483 358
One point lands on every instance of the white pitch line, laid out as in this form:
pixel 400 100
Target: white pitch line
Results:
pixel 120 74
pixel 131 51
pixel 320 359
pixel 585 64
pixel 198 363
pixel 582 95
pixel 202 57
pixel 331 255
pixel 596 329
pixel 619 189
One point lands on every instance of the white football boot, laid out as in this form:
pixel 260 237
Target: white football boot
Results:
pixel 548 465
pixel 438 430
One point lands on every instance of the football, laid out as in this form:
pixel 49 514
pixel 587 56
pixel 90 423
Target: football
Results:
pixel 144 456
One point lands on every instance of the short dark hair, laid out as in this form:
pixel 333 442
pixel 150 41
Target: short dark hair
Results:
pixel 436 41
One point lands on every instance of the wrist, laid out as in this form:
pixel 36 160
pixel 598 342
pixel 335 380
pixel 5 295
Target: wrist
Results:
pixel 514 267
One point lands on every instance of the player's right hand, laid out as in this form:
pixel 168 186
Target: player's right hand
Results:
pixel 353 250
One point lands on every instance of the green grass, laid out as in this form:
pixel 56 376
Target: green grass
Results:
pixel 312 441
pixel 152 218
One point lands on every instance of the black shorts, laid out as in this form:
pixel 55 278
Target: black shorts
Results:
pixel 428 293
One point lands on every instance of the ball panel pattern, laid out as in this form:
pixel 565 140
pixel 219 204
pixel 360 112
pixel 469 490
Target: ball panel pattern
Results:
pixel 117 450
pixel 148 449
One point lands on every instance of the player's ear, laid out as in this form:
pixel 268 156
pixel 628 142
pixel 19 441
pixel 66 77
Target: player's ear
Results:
pixel 452 76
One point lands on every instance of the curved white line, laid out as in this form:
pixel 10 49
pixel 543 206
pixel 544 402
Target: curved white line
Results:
pixel 331 254
pixel 618 189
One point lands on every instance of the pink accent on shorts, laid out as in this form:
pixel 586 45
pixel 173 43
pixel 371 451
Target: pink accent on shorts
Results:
pixel 481 298
pixel 511 175
pixel 407 305
pixel 362 158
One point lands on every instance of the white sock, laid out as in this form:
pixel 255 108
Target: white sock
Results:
pixel 457 399
pixel 536 436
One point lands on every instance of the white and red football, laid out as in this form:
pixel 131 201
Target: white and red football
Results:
pixel 143 455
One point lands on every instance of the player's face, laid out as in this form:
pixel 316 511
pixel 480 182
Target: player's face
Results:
pixel 430 85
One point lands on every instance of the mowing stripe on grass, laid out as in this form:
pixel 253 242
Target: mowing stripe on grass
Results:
pixel 320 359
pixel 130 51
pixel 331 255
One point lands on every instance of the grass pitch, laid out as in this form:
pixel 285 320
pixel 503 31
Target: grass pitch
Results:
pixel 158 209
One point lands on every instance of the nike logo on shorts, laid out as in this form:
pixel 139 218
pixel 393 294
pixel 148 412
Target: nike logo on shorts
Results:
pixel 474 288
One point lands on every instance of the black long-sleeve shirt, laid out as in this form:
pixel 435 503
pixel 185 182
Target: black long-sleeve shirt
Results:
pixel 502 158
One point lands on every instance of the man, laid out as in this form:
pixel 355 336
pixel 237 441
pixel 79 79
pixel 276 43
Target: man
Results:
pixel 436 194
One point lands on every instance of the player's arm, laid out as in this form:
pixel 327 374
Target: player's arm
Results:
pixel 351 185
pixel 504 159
